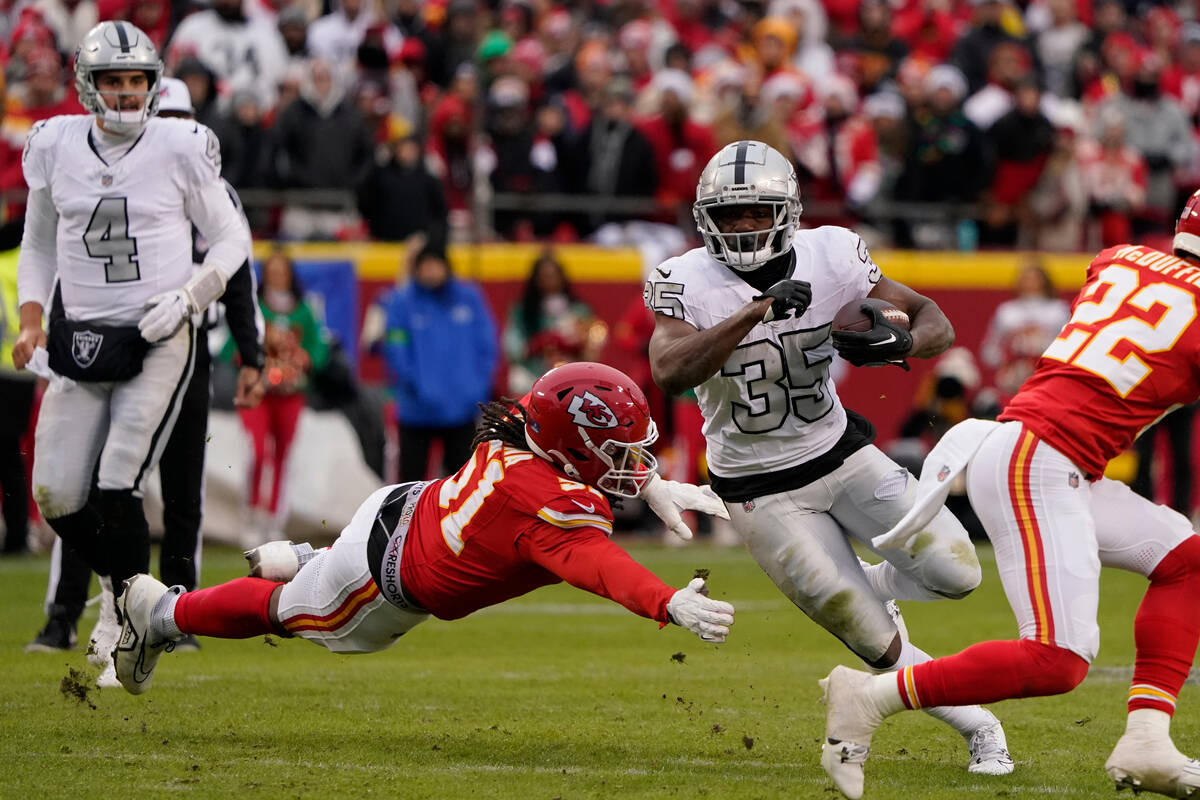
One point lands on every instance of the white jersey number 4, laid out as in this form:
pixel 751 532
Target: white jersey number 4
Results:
pixel 781 379
pixel 107 237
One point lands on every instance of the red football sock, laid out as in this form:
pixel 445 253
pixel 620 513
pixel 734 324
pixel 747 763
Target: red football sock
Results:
pixel 238 609
pixel 991 671
pixel 1167 629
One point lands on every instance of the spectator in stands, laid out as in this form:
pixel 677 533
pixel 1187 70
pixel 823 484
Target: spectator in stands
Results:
pixel 322 143
pixel 751 117
pixel 1114 175
pixel 876 49
pixel 681 146
pixel 296 347
pixel 1181 79
pixel 974 48
pixel 336 36
pixel 441 352
pixel 453 144
pixel 1058 205
pixel 400 196
pixel 947 160
pixel 1057 47
pixel 548 326
pixel 202 85
pixel 1021 141
pixel 840 154
pixel 70 20
pixel 238 50
pixel 1108 18
pixel 1162 136
pixel 1009 66
pixel 152 16
pixel 810 54
pixel 613 158
pixel 455 43
pixel 526 160
pixel 43 93
pixel 928 27
pixel 245 143
pixel 887 114
pixel 293 27
pixel 1021 328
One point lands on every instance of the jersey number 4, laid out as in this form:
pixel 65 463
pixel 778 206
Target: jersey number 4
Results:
pixel 1097 327
pixel 107 237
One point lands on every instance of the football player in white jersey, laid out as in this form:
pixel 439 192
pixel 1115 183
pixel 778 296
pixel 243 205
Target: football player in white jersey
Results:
pixel 746 320
pixel 112 199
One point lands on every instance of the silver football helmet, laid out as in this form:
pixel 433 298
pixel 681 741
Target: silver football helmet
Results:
pixel 740 174
pixel 117 45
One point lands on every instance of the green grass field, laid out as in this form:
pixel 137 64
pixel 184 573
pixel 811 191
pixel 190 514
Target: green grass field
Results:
pixel 555 695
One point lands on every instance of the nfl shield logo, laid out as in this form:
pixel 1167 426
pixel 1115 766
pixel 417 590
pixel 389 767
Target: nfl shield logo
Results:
pixel 748 506
pixel 106 180
pixel 1073 479
pixel 943 473
pixel 85 345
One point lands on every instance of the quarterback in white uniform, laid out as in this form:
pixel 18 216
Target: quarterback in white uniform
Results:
pixel 746 320
pixel 112 199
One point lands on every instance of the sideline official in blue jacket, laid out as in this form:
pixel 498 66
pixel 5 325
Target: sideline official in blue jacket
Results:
pixel 441 348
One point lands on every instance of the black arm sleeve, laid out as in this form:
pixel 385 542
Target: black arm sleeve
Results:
pixel 239 304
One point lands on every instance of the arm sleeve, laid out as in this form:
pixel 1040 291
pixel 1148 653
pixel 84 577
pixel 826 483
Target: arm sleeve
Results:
pixel 209 205
pixel 37 262
pixel 588 560
pixel 242 316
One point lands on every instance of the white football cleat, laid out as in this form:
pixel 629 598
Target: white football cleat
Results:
pixel 1152 764
pixel 107 630
pixel 850 721
pixel 989 751
pixel 138 651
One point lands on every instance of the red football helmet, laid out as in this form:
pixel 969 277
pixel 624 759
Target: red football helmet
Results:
pixel 1187 230
pixel 592 422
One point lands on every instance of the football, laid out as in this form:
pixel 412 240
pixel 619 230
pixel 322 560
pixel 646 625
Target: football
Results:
pixel 851 318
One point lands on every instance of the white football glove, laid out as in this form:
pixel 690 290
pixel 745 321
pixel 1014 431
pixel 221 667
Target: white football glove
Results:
pixel 690 608
pixel 167 312
pixel 667 498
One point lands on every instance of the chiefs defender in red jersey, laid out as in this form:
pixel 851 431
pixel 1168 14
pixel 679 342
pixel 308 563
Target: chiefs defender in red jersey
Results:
pixel 530 508
pixel 1129 354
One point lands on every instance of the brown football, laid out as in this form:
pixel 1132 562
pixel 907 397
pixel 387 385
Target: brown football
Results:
pixel 851 318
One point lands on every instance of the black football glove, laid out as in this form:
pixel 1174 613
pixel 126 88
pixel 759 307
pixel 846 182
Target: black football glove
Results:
pixel 884 344
pixel 786 296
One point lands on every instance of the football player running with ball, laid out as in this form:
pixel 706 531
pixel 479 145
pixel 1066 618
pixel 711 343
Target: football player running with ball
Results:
pixel 112 200
pixel 530 508
pixel 1129 354
pixel 746 320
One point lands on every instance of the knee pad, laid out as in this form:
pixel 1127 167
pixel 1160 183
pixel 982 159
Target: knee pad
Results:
pixel 1050 669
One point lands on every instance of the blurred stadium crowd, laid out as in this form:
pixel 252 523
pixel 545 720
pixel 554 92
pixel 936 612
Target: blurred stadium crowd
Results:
pixel 1047 124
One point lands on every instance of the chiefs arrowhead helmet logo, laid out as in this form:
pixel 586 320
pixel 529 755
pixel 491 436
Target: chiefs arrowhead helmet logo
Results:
pixel 591 412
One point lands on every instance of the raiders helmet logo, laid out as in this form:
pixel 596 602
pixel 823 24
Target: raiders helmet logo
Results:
pixel 85 346
pixel 591 412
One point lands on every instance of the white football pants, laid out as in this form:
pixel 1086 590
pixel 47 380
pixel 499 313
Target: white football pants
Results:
pixel 125 424
pixel 801 539
pixel 1052 530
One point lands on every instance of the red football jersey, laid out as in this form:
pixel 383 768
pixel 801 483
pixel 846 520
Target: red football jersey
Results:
pixel 509 522
pixel 1128 355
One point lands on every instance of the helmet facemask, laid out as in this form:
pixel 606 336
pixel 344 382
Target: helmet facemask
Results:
pixel 746 250
pixel 630 464
pixel 117 120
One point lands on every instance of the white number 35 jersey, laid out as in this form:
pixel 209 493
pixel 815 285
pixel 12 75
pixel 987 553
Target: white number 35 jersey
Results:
pixel 772 405
pixel 124 233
